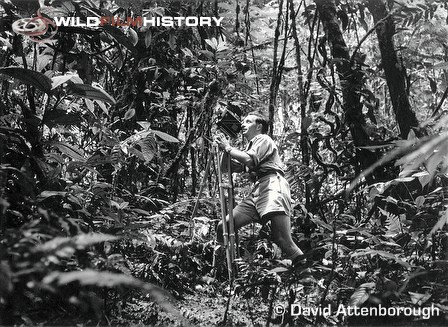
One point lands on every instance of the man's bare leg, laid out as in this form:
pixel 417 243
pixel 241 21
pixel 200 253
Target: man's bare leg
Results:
pixel 239 221
pixel 281 233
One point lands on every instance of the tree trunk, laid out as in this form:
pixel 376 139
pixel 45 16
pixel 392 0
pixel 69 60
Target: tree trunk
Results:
pixel 351 79
pixel 277 66
pixel 393 68
pixel 304 137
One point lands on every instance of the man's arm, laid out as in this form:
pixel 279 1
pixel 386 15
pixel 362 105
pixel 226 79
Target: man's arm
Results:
pixel 236 166
pixel 240 156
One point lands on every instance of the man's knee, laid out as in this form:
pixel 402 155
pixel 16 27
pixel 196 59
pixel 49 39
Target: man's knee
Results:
pixel 220 231
pixel 282 240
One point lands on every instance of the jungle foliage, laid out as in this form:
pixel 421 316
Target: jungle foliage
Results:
pixel 105 134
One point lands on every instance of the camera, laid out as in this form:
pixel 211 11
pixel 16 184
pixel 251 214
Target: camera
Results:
pixel 229 121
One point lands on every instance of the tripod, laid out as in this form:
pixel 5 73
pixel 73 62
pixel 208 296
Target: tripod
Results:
pixel 228 226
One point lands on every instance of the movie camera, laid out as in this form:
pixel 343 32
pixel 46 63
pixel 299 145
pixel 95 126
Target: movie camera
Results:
pixel 229 121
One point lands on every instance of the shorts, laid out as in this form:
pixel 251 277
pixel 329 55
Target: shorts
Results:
pixel 270 195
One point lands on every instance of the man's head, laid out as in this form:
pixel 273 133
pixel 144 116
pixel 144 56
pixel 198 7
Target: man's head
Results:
pixel 255 123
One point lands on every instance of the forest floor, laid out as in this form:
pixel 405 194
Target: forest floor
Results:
pixel 199 309
pixel 211 304
pixel 202 309
pixel 262 303
pixel 194 272
pixel 206 308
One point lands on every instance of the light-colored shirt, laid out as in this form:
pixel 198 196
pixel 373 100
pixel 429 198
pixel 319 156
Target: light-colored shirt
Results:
pixel 264 153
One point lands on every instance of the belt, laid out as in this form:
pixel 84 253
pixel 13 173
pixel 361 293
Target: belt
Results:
pixel 269 172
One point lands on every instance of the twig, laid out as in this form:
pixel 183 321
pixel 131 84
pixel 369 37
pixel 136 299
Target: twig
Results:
pixel 337 195
pixel 249 37
pixel 251 315
pixel 368 34
pixel 271 305
pixel 333 265
pixel 224 319
pixel 445 94
pixel 258 46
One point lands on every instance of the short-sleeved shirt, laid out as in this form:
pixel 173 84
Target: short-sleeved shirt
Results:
pixel 271 193
pixel 264 153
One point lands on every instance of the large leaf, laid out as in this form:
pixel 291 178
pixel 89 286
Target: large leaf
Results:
pixel 80 242
pixel 419 298
pixel 89 277
pixel 441 65
pixel 384 254
pixel 414 159
pixel 165 136
pixel 61 117
pixel 90 92
pixel 29 7
pixel 412 154
pixel 59 8
pixel 29 77
pixel 148 147
pixel 47 194
pixel 129 114
pixel 133 36
pixel 361 294
pixel 443 220
pixel 121 38
pixel 402 148
pixel 144 124
pixel 19 178
pixel 58 80
pixel 70 150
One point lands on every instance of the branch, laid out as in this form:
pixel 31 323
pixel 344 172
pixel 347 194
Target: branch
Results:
pixel 382 20
pixel 445 94
pixel 259 46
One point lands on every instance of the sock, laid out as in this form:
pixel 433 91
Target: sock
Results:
pixel 298 258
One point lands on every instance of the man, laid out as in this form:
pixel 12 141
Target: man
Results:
pixel 270 199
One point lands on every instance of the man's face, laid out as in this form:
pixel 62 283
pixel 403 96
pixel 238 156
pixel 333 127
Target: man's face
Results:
pixel 250 127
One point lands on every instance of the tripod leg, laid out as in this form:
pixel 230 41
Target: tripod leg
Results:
pixel 225 229
pixel 230 209
pixel 201 188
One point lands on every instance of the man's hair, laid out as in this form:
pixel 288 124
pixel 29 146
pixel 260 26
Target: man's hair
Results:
pixel 261 119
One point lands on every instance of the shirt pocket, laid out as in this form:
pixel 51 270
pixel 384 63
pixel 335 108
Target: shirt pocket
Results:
pixel 274 184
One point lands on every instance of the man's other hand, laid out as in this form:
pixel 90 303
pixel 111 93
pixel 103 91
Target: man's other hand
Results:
pixel 222 141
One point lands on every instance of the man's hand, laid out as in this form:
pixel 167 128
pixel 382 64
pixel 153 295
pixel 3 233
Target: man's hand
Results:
pixel 240 156
pixel 222 141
